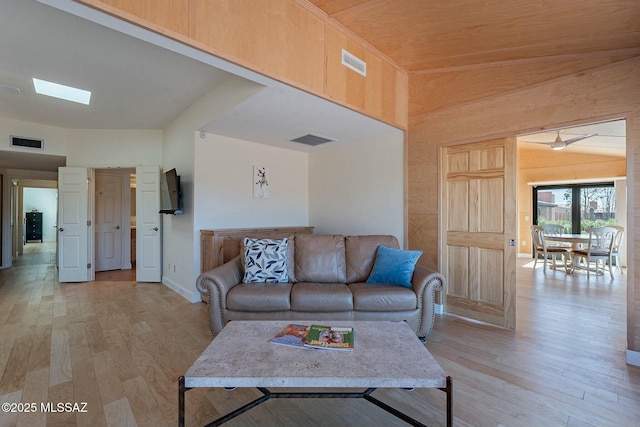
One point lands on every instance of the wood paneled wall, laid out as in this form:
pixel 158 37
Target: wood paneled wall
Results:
pixel 288 40
pixel 540 163
pixel 448 111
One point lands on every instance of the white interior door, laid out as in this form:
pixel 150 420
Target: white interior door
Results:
pixel 73 225
pixel 148 240
pixel 108 227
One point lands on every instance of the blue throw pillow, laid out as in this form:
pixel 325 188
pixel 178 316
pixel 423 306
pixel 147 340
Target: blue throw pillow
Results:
pixel 393 266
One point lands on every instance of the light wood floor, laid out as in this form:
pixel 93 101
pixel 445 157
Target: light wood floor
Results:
pixel 120 346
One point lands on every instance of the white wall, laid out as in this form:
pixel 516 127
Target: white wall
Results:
pixel 55 139
pixel 43 200
pixel 358 188
pixel 89 147
pixel 101 148
pixel 181 240
pixel 224 188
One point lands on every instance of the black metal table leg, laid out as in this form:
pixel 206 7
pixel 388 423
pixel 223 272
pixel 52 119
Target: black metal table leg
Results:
pixel 181 391
pixel 449 390
pixel 267 394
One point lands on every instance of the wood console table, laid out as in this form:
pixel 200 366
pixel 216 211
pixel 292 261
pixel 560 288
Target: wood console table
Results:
pixel 220 246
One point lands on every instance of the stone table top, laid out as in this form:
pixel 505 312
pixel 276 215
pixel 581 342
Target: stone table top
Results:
pixel 386 354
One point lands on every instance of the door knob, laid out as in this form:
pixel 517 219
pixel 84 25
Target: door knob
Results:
pixel 117 227
pixel 61 229
pixel 155 229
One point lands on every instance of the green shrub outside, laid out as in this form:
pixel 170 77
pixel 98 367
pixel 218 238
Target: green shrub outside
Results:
pixel 584 224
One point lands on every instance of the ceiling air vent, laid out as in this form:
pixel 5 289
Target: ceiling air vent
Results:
pixel 33 144
pixel 312 140
pixel 353 62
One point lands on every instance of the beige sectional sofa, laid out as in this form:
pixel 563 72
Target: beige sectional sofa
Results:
pixel 326 281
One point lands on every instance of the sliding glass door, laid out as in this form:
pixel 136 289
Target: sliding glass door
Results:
pixel 575 206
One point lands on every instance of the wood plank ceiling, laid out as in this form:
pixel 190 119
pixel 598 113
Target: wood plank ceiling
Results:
pixel 436 35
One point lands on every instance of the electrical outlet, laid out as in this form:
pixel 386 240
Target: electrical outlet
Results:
pixel 524 243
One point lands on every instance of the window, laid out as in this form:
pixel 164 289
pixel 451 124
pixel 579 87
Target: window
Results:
pixel 575 206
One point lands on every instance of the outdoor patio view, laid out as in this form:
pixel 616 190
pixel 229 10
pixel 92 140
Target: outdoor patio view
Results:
pixel 575 207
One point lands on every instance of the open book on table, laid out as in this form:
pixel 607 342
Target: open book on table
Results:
pixel 329 337
pixel 315 336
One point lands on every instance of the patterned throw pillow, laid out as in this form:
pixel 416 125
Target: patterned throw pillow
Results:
pixel 265 260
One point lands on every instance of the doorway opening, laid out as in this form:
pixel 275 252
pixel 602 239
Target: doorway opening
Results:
pixel 34 220
pixel 34 205
pixel 115 219
pixel 582 183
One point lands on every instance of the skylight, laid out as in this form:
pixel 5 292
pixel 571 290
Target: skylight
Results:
pixel 56 90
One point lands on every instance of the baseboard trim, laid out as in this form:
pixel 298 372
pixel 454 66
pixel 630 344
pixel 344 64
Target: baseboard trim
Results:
pixel 439 308
pixel 189 296
pixel 633 357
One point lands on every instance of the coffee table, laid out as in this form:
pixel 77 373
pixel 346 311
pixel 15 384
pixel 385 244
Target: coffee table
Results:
pixel 386 355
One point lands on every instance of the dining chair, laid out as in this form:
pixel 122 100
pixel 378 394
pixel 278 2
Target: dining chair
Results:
pixel 617 244
pixel 553 229
pixel 537 235
pixel 599 248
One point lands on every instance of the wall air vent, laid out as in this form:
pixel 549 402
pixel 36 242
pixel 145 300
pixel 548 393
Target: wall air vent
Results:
pixel 312 140
pixel 30 143
pixel 353 62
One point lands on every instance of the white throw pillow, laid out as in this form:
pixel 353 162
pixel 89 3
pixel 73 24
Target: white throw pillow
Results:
pixel 265 260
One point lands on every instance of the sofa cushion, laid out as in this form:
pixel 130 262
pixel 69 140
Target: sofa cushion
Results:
pixel 259 297
pixel 393 266
pixel 361 254
pixel 320 258
pixel 321 297
pixel 265 260
pixel 372 297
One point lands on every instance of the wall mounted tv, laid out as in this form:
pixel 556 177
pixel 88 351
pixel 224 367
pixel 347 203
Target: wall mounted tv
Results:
pixel 170 194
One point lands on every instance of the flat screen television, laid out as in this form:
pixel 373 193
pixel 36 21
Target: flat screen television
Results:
pixel 170 195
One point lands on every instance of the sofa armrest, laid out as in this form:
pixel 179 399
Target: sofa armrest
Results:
pixel 424 283
pixel 215 284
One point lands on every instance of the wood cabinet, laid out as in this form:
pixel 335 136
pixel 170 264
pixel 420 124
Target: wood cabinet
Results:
pixel 220 246
pixel 33 226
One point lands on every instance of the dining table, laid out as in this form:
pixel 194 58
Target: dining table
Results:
pixel 575 240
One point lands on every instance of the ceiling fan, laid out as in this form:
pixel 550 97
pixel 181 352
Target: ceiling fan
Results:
pixel 559 143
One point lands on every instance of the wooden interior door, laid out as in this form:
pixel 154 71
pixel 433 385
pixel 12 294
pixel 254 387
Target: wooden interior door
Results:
pixel 479 230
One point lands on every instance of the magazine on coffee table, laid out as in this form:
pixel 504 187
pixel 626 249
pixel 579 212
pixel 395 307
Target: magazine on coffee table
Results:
pixel 329 338
pixel 292 336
